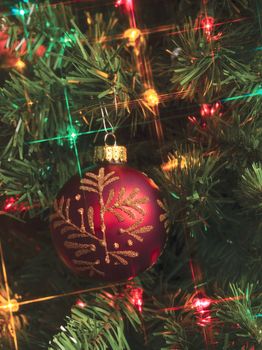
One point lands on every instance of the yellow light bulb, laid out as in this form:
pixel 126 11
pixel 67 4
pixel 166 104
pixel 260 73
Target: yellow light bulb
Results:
pixel 181 162
pixel 88 19
pixel 151 97
pixel 132 34
pixel 20 65
pixel 11 306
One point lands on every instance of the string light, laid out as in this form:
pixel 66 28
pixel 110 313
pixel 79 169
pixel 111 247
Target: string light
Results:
pixel 179 162
pixel 12 306
pixel 202 307
pixel 128 4
pixel 201 304
pixel 63 295
pixel 208 24
pixel 80 303
pixel 20 65
pixel 209 110
pixel 18 12
pixel 174 162
pixel 72 134
pixel 11 204
pixel 132 35
pixel 12 325
pixel 137 298
pixel 151 97
pixel 118 3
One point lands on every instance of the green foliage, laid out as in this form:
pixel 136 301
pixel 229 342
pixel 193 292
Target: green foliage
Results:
pixel 175 335
pixel 240 315
pixel 23 178
pixel 41 25
pixel 237 137
pixel 192 182
pixel 100 325
pixel 250 190
pixel 205 68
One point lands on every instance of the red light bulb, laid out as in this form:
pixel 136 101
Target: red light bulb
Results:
pixel 205 110
pixel 128 4
pixel 202 311
pixel 208 24
pixel 80 304
pixel 209 110
pixel 11 205
pixel 201 304
pixel 118 3
pixel 137 298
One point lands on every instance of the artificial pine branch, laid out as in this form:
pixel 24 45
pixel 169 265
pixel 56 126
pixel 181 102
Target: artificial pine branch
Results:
pixel 99 325
pixel 206 67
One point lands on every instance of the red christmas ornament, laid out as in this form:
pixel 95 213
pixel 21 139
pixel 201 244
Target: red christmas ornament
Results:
pixel 111 224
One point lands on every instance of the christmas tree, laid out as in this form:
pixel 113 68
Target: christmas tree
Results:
pixel 172 259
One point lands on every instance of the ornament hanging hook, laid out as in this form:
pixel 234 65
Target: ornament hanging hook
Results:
pixel 108 135
pixel 105 118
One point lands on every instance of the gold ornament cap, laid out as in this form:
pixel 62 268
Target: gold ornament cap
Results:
pixel 110 153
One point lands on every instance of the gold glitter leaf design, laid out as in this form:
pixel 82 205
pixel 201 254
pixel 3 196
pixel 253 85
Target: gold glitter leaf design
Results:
pixel 108 179
pixel 90 218
pixel 76 235
pixel 130 205
pixel 97 183
pixel 83 265
pixel 81 248
pixel 62 218
pixel 164 217
pixel 58 223
pixel 65 230
pixel 127 253
pixel 135 230
pixel 89 189
pixel 110 198
pixel 85 187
